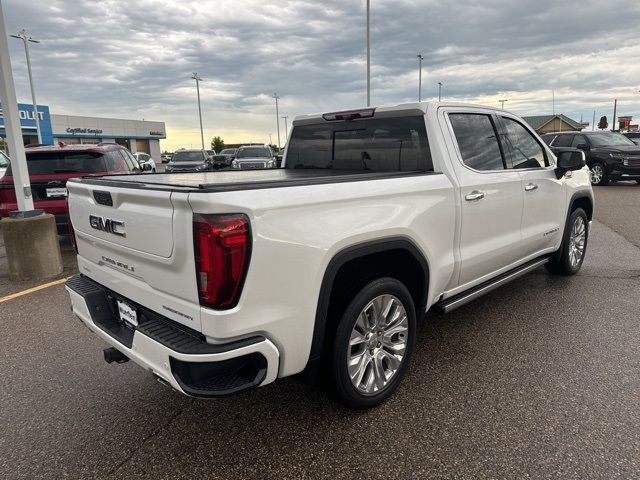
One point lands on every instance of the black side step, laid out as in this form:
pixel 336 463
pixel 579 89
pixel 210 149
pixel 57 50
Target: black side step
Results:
pixel 460 299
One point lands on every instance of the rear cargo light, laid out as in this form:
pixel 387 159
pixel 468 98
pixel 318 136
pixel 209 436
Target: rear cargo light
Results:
pixel 222 246
pixel 349 114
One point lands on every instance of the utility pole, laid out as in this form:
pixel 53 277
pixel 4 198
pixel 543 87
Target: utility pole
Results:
pixel 198 79
pixel 368 56
pixel 276 97
pixel 615 108
pixel 593 125
pixel 26 39
pixel 21 182
pixel 420 58
pixel 439 91
pixel 286 129
pixel 502 102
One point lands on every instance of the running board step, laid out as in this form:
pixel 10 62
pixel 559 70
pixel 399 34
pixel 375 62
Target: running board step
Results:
pixel 460 299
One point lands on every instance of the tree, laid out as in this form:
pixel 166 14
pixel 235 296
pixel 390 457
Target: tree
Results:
pixel 217 144
pixel 274 147
pixel 603 124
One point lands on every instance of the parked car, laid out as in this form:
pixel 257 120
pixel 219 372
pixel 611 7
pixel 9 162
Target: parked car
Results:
pixel 50 167
pixel 4 163
pixel 145 159
pixel 224 158
pixel 189 161
pixel 233 281
pixel 254 157
pixel 610 155
pixel 166 157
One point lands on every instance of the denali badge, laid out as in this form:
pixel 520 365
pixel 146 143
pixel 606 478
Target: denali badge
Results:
pixel 107 225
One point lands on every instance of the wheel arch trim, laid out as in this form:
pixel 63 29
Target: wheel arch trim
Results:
pixel 340 259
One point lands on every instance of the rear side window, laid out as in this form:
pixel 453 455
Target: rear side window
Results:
pixel 380 145
pixel 579 140
pixel 132 163
pixel 46 163
pixel 477 141
pixel 563 141
pixel 115 162
pixel 526 152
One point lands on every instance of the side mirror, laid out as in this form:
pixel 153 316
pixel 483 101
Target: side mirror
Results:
pixel 583 146
pixel 146 167
pixel 569 159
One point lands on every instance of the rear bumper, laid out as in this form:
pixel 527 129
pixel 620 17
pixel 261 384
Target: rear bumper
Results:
pixel 176 354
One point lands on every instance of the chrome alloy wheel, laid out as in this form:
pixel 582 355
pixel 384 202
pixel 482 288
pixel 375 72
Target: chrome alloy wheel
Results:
pixel 577 241
pixel 597 172
pixel 378 343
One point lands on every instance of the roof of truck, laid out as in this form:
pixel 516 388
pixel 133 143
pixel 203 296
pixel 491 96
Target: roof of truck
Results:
pixel 414 108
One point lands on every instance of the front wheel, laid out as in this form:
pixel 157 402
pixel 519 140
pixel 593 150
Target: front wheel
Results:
pixel 598 174
pixel 373 343
pixel 569 258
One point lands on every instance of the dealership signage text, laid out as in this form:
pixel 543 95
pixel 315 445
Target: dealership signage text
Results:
pixel 84 131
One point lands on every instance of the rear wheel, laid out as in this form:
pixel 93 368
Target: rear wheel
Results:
pixel 598 174
pixel 569 258
pixel 373 343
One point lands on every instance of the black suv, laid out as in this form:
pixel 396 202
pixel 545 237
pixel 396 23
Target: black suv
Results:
pixel 610 155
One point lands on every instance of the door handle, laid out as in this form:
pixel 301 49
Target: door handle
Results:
pixel 475 195
pixel 530 187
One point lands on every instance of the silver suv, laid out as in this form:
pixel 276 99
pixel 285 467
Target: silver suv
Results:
pixel 254 157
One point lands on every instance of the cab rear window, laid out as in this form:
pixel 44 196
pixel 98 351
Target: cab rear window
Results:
pixel 44 163
pixel 378 145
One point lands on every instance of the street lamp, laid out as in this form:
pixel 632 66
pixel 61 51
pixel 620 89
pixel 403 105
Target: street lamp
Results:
pixel 276 97
pixel 502 102
pixel 420 58
pixel 439 91
pixel 26 39
pixel 286 129
pixel 368 58
pixel 198 79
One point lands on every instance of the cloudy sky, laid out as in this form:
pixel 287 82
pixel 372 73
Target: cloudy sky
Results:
pixel 134 58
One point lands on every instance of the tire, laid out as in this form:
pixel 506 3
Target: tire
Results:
pixel 379 360
pixel 564 262
pixel 598 174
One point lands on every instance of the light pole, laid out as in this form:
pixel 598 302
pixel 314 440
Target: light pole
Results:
pixel 276 97
pixel 286 129
pixel 502 102
pixel 26 39
pixel 21 182
pixel 439 91
pixel 198 79
pixel 368 58
pixel 420 58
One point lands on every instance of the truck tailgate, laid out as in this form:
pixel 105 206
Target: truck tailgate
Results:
pixel 138 243
pixel 140 220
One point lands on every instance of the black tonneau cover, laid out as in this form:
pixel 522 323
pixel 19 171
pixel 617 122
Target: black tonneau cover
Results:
pixel 230 180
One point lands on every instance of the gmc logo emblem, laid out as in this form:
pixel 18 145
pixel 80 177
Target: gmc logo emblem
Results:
pixel 116 227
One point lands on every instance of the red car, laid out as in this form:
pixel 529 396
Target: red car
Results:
pixel 51 166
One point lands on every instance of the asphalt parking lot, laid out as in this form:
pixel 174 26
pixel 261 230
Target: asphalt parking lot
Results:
pixel 540 379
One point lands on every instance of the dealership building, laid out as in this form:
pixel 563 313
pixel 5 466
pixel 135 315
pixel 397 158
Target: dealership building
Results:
pixel 136 135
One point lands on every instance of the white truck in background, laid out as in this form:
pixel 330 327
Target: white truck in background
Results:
pixel 218 282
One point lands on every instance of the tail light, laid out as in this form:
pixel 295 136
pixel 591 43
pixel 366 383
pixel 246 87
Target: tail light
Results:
pixel 222 245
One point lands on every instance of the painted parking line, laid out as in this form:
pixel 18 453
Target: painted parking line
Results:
pixel 32 290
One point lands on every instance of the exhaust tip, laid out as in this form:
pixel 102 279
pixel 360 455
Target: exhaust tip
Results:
pixel 113 355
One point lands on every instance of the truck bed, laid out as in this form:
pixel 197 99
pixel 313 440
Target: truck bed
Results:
pixel 232 180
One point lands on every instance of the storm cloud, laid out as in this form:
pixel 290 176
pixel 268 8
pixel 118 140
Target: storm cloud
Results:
pixel 134 59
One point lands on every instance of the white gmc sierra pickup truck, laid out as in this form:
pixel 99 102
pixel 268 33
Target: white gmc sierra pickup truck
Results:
pixel 218 282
